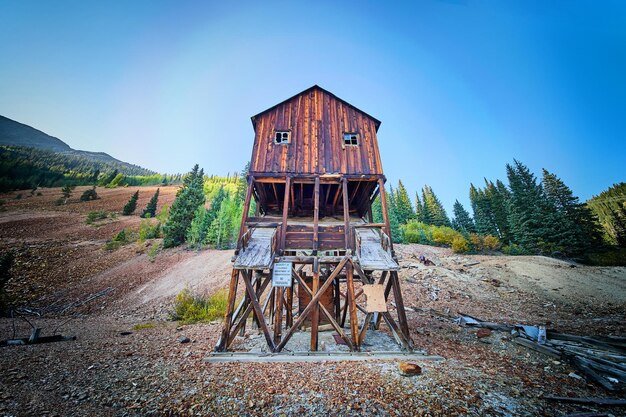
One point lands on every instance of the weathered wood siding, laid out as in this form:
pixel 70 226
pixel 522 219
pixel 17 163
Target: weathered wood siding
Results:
pixel 317 121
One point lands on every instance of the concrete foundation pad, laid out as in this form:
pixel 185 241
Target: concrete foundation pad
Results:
pixel 216 357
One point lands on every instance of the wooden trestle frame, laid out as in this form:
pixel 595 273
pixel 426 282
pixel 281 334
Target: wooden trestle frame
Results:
pixel 272 310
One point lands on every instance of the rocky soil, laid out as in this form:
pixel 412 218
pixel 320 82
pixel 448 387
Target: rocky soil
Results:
pixel 128 358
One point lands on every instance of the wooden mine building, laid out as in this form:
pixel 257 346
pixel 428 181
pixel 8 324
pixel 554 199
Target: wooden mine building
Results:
pixel 314 174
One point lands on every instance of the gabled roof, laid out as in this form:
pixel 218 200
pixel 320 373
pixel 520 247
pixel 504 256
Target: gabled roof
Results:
pixel 253 118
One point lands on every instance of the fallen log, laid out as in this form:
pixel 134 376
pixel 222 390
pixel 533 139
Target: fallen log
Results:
pixel 607 402
pixel 539 348
pixel 43 339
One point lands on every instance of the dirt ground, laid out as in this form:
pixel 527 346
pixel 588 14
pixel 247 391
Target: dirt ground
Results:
pixel 72 285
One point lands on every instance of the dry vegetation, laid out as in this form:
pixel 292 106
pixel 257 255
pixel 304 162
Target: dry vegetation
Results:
pixel 61 262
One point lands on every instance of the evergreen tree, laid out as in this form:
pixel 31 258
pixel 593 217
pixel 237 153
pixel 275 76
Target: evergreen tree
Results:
pixel 527 209
pixel 419 209
pixel 483 214
pixel 90 194
pixel 497 197
pixel 572 224
pixel 188 198
pixel 437 214
pixel 377 210
pixel 610 209
pixel 150 210
pixel 462 221
pixel 67 192
pixel 130 207
pixel 198 230
pixel 404 210
pixel 427 216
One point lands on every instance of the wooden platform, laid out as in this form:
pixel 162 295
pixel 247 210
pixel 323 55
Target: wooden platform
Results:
pixel 372 256
pixel 258 253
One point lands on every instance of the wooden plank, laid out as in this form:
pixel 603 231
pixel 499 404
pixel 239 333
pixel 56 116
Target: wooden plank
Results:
pixel 354 324
pixel 285 212
pixel 316 214
pixel 257 309
pixel 610 402
pixel 232 294
pixel 316 310
pixel 397 295
pixel 278 317
pixel 248 310
pixel 346 213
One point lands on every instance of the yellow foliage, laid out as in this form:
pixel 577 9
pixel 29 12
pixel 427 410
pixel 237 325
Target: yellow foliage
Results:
pixel 460 244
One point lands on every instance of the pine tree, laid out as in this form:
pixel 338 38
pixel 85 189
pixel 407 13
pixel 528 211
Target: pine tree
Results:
pixel 527 209
pixel 497 198
pixel 377 210
pixel 462 221
pixel 130 207
pixel 483 213
pixel 610 209
pixel 572 224
pixel 188 198
pixel 437 214
pixel 404 210
pixel 419 209
pixel 150 210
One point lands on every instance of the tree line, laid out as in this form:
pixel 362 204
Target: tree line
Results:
pixel 527 215
pixel 24 168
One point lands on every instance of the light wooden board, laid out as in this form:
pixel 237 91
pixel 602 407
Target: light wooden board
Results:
pixel 373 256
pixel 375 296
pixel 258 253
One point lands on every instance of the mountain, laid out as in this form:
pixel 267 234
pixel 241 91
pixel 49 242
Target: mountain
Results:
pixel 14 133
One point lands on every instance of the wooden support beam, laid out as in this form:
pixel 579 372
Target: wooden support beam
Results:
pixel 289 307
pixel 368 318
pixel 337 297
pixel 232 294
pixel 336 197
pixel 324 311
pixel 283 233
pixel 278 317
pixel 346 213
pixel 383 202
pixel 247 312
pixel 316 311
pixel 397 295
pixel 309 307
pixel 354 324
pixel 394 329
pixel 381 281
pixel 257 309
pixel 316 215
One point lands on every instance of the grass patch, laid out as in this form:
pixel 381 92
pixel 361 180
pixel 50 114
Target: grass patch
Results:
pixel 142 326
pixel 154 251
pixel 94 216
pixel 194 308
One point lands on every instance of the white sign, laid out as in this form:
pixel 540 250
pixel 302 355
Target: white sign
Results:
pixel 281 275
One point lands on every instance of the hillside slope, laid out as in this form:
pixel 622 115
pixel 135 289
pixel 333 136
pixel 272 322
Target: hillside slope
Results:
pixel 13 133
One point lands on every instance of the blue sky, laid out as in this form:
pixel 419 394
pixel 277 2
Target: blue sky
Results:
pixel 461 87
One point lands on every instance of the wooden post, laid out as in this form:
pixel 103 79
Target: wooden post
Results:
pixel 246 209
pixel 397 296
pixel 289 307
pixel 354 324
pixel 255 319
pixel 383 202
pixel 278 321
pixel 232 294
pixel 283 233
pixel 346 213
pixel 315 316
pixel 316 215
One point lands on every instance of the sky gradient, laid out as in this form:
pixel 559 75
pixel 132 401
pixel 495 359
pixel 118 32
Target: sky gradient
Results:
pixel 461 87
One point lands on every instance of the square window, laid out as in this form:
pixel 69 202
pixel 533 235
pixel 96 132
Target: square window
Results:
pixel 282 137
pixel 351 139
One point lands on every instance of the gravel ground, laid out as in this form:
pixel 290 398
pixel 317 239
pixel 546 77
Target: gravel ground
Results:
pixel 109 371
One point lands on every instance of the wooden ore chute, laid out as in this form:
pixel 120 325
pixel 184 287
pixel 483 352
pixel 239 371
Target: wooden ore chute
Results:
pixel 314 174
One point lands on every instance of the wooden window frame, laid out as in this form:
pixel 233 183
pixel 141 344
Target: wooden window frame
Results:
pixel 357 138
pixel 282 132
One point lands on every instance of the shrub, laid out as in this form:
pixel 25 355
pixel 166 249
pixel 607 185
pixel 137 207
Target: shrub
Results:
pixel 96 215
pixel 67 192
pixel 154 250
pixel 123 237
pixel 443 235
pixel 89 195
pixel 491 243
pixel 18 197
pixel 39 194
pixel 193 308
pixel 142 326
pixel 163 214
pixel 460 244
pixel 514 249
pixel 6 262
pixel 147 230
